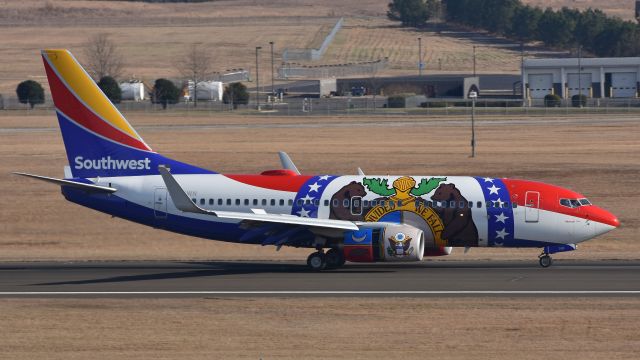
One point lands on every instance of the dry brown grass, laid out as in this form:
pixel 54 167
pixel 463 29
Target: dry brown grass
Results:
pixel 304 328
pixel 600 161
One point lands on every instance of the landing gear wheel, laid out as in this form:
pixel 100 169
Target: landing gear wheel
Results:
pixel 545 261
pixel 334 259
pixel 317 261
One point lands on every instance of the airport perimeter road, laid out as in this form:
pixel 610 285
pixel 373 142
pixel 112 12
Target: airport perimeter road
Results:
pixel 430 278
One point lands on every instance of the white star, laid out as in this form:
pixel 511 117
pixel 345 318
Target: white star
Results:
pixel 306 198
pixel 499 203
pixel 493 190
pixel 487 179
pixel 501 218
pixel 325 177
pixel 303 213
pixel 314 187
pixel 501 234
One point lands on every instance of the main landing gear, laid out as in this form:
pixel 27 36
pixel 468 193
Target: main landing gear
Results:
pixel 319 261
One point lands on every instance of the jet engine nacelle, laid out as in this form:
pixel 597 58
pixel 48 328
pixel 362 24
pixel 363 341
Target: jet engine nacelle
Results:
pixel 397 243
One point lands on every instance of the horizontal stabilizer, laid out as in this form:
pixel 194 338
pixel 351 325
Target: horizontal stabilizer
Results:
pixel 182 202
pixel 71 183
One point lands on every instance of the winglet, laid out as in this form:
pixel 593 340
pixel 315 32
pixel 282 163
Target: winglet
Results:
pixel 360 172
pixel 287 163
pixel 180 198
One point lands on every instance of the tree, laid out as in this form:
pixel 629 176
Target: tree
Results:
pixel 236 94
pixel 165 92
pixel 524 25
pixel 110 87
pixel 30 92
pixel 413 12
pixel 103 57
pixel 195 65
pixel 556 29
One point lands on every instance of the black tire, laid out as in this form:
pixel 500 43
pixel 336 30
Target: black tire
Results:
pixel 545 261
pixel 317 261
pixel 334 259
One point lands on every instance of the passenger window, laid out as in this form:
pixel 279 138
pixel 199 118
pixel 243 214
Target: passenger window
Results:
pixel 229 202
pixel 514 205
pixel 246 202
pixel 264 202
pixel 452 204
pixel 326 202
pixel 470 204
pixel 463 204
pixel 211 201
pixel 506 205
pixel 300 202
pixel 336 203
pixel 195 201
pixel 237 202
pixel 374 203
pixel 220 202
pixel 281 202
pixel 489 204
pixel 202 201
pixel 382 203
pixel 273 202
pixel 365 203
pixel 479 204
pixel 428 204
pixel 345 203
pixel 290 202
pixel 255 202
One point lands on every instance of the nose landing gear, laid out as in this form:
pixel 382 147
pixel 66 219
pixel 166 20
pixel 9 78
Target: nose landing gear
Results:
pixel 545 260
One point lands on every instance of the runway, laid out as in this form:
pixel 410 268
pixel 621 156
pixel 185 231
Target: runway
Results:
pixel 429 278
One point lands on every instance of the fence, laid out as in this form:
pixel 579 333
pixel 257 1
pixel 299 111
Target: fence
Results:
pixel 313 54
pixel 365 105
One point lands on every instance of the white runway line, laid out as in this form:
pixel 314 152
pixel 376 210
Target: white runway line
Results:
pixel 302 292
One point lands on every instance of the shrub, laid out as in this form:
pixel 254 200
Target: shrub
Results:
pixel 236 94
pixel 579 100
pixel 165 92
pixel 30 92
pixel 552 100
pixel 111 89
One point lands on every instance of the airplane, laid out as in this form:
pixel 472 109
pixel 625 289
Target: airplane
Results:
pixel 355 218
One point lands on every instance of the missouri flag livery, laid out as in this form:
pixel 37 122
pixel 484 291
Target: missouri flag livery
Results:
pixel 362 218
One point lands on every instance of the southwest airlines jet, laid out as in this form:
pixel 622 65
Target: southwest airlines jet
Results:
pixel 363 218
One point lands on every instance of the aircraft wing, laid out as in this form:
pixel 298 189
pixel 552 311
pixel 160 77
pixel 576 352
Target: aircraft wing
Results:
pixel 182 201
pixel 70 183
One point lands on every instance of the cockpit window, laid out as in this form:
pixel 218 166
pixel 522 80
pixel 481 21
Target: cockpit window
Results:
pixel 584 202
pixel 574 203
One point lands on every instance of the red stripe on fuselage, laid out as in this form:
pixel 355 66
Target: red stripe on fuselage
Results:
pixel 281 183
pixel 67 103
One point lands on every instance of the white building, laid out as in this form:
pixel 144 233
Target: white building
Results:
pixel 593 77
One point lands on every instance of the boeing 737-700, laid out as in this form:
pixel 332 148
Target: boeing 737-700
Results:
pixel 360 218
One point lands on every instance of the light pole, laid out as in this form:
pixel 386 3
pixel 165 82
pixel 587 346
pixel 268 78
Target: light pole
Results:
pixel 474 61
pixel 580 75
pixel 257 77
pixel 272 89
pixel 473 95
pixel 420 56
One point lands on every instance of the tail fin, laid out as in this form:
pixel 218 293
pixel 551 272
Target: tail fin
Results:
pixel 98 139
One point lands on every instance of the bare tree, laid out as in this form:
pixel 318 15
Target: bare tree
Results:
pixel 195 65
pixel 103 57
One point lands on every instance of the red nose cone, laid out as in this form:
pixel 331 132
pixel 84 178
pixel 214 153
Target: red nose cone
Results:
pixel 603 216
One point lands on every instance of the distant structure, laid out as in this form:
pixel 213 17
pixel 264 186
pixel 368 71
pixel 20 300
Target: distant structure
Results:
pixel 205 90
pixel 232 76
pixel 592 77
pixel 313 54
pixel 297 70
pixel 132 90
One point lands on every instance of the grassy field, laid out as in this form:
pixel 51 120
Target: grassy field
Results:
pixel 599 160
pixel 311 328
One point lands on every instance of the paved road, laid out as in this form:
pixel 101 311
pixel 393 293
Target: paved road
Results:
pixel 430 278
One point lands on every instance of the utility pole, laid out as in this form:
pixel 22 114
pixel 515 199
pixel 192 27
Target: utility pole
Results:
pixel 580 75
pixel 474 61
pixel 420 56
pixel 257 77
pixel 272 89
pixel 473 95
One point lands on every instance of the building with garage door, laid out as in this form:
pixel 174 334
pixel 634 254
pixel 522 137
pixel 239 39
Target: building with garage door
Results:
pixel 593 77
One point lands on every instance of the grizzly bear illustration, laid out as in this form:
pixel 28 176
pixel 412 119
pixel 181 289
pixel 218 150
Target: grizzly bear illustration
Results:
pixel 459 229
pixel 341 212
